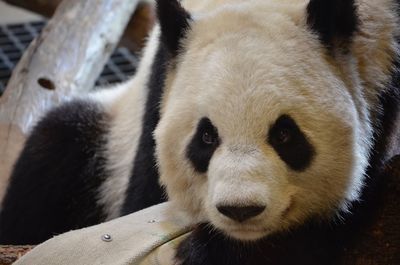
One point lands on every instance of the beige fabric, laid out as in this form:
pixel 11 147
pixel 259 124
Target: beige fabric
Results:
pixel 148 237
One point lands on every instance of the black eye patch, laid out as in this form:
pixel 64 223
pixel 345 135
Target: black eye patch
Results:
pixel 290 143
pixel 203 144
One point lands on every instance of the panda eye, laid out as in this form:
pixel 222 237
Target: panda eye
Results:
pixel 290 143
pixel 283 136
pixel 209 138
pixel 203 145
pixel 281 133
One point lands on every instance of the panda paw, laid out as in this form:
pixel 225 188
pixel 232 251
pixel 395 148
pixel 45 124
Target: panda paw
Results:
pixel 190 254
pixel 206 246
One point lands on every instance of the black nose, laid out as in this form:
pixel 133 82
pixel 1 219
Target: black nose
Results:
pixel 240 213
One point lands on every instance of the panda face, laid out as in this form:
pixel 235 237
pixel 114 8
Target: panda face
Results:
pixel 258 129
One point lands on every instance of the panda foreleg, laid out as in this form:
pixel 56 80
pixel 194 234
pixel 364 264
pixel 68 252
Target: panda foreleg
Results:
pixel 54 183
pixel 206 246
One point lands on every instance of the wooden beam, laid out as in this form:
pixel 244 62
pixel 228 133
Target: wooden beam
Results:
pixel 135 34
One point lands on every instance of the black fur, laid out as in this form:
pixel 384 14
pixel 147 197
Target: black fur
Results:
pixel 333 20
pixel 198 152
pixel 209 247
pixel 174 22
pixel 386 136
pixel 296 150
pixel 143 190
pixel 62 156
pixel 310 245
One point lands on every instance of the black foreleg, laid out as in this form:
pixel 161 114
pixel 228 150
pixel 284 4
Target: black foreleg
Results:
pixel 55 180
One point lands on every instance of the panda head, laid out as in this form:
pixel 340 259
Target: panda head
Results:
pixel 259 130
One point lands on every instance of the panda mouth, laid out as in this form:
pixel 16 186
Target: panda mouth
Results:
pixel 244 232
pixel 247 234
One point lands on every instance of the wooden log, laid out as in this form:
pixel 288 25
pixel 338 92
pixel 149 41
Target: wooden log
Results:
pixel 135 34
pixel 62 62
pixel 9 254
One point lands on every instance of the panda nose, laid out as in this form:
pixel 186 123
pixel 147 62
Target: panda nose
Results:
pixel 240 213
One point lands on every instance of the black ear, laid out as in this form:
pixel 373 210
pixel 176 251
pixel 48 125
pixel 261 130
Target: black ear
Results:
pixel 174 22
pixel 333 20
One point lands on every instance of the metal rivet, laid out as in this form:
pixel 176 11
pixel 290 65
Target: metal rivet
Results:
pixel 106 238
pixel 151 221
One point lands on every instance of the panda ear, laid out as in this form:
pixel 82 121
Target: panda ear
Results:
pixel 174 22
pixel 333 20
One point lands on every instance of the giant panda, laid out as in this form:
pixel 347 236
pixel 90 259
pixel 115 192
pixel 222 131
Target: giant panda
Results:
pixel 263 121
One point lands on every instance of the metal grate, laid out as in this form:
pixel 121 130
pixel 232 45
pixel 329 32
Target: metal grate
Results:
pixel 15 38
